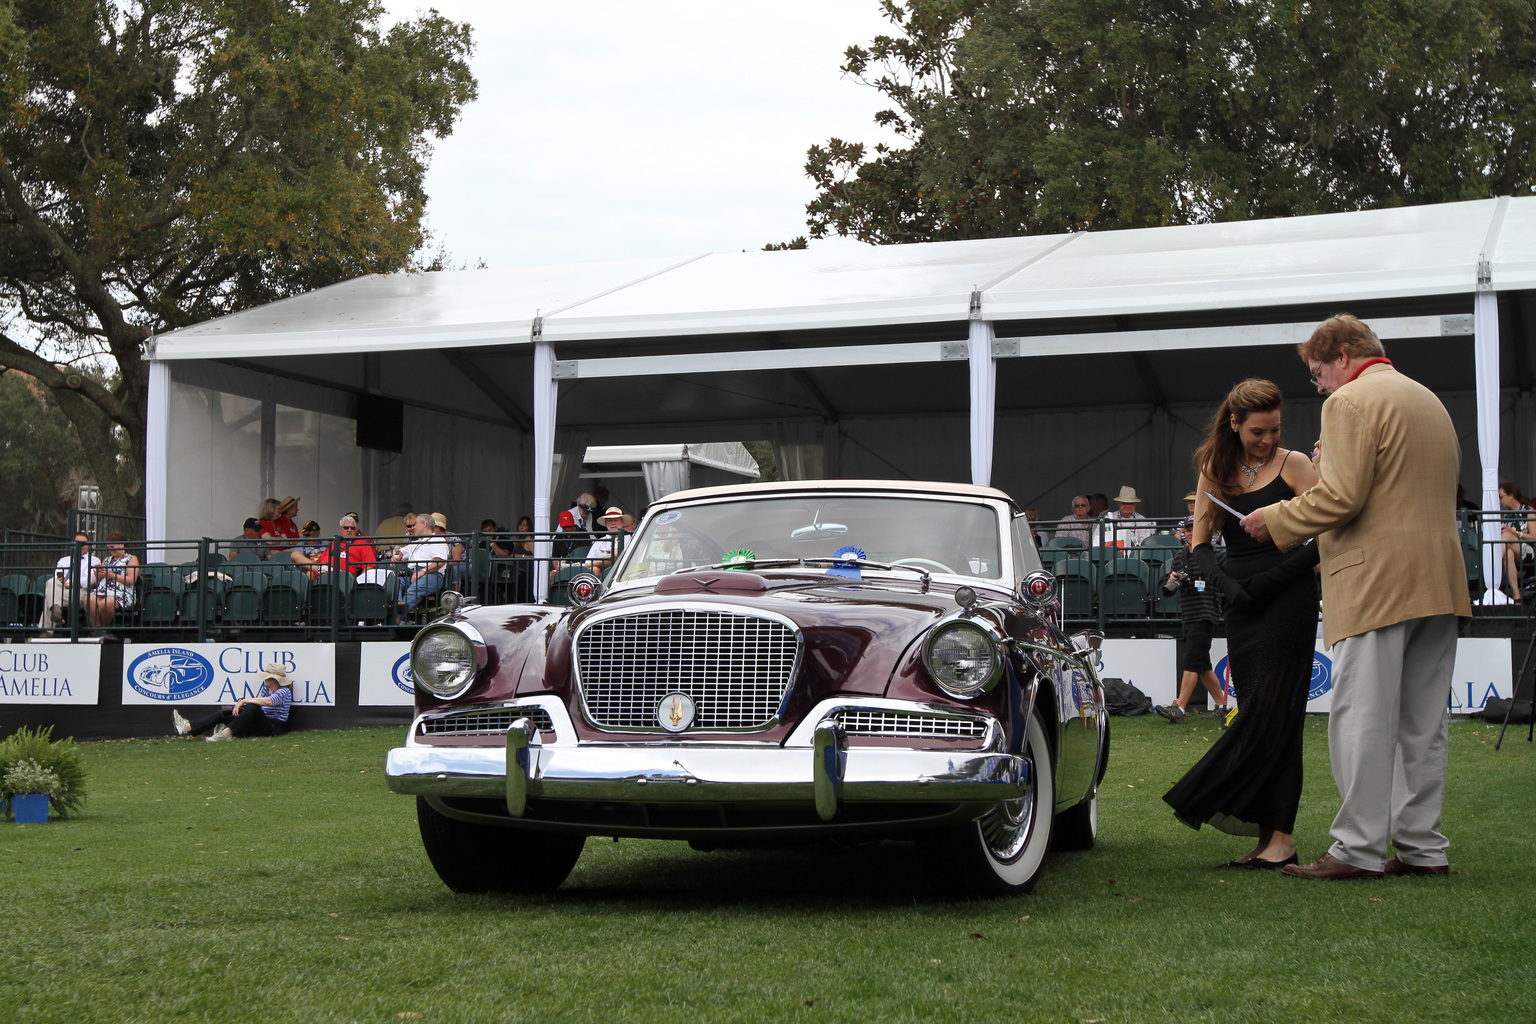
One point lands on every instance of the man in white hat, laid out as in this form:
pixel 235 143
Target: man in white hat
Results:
pixel 1115 529
pixel 606 547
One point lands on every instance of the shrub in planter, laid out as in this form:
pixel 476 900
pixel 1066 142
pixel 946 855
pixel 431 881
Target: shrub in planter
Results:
pixel 61 758
pixel 29 781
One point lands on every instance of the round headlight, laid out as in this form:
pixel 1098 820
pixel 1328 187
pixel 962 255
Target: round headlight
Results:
pixel 963 658
pixel 443 661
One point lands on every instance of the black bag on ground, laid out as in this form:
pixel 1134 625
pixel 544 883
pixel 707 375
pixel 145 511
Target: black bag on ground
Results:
pixel 1495 707
pixel 1121 698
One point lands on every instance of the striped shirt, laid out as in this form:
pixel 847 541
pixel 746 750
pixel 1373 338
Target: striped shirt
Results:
pixel 278 709
pixel 1197 601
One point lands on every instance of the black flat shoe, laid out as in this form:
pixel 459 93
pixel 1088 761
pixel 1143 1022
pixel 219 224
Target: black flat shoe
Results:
pixel 1260 864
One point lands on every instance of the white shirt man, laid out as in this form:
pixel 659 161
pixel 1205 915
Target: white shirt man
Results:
pixel 1115 528
pixel 56 593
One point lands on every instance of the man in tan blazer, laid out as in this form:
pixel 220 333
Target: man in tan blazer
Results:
pixel 1384 515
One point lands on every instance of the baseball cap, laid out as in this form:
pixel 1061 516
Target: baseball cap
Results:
pixel 566 519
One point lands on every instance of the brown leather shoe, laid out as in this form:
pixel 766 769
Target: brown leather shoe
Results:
pixel 1397 867
pixel 1330 867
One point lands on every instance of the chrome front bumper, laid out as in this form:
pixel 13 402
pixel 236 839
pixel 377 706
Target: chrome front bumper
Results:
pixel 815 765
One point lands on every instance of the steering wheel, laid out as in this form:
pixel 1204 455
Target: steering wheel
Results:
pixel 928 562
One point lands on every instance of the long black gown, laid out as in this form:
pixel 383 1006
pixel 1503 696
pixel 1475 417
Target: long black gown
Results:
pixel 1250 779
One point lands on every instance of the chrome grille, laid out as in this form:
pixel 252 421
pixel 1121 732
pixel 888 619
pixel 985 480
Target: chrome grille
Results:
pixel 872 722
pixel 486 723
pixel 736 668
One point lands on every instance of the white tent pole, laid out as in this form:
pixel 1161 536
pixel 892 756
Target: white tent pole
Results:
pixel 545 395
pixel 983 394
pixel 1485 334
pixel 157 442
pixel 1485 349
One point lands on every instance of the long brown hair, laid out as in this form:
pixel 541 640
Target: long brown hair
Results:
pixel 1222 452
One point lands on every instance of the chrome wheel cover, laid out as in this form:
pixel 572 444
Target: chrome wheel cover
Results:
pixel 1005 830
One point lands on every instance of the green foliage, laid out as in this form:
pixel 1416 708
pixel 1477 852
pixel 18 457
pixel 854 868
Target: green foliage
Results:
pixel 30 777
pixel 1037 116
pixel 41 460
pixel 62 759
pixel 163 162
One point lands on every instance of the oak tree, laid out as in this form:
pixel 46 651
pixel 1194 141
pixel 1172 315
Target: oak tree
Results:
pixel 167 161
pixel 1031 116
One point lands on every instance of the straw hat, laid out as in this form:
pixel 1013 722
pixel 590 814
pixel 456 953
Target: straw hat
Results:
pixel 1127 495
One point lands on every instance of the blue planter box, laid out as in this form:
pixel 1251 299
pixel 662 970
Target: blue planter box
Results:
pixel 30 808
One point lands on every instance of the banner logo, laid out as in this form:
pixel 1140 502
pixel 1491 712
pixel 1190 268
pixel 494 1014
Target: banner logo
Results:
pixel 1320 683
pixel 401 674
pixel 170 673
pixel 1322 676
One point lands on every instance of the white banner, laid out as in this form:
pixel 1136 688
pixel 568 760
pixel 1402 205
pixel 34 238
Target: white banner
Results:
pixel 1482 671
pixel 223 673
pixel 50 673
pixel 384 676
pixel 1152 666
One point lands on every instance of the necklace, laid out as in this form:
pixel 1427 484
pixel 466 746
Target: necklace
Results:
pixel 1252 471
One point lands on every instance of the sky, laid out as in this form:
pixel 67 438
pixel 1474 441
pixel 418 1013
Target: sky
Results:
pixel 614 130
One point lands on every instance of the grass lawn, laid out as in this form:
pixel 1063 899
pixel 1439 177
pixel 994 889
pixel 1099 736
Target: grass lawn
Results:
pixel 278 880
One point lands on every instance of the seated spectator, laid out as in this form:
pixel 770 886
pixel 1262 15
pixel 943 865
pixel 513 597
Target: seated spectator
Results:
pixel 457 574
pixel 353 554
pixel 606 548
pixel 1079 524
pixel 565 545
pixel 583 514
pixel 250 542
pixel 1098 504
pixel 488 527
pixel 421 564
pixel 1518 530
pixel 310 543
pixel 281 526
pixel 522 545
pixel 1032 516
pixel 1112 528
pixel 56 595
pixel 266 715
pixel 116 580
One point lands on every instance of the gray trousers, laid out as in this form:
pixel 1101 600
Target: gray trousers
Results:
pixel 1387 739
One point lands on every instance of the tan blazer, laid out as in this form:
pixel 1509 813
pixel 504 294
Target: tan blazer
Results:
pixel 1383 509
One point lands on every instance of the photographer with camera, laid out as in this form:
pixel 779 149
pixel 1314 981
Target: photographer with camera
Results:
pixel 1197 614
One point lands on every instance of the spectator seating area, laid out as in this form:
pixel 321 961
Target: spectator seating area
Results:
pixel 211 596
pixel 1114 583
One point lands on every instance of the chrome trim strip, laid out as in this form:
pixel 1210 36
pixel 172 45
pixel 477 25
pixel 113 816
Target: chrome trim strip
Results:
pixel 673 773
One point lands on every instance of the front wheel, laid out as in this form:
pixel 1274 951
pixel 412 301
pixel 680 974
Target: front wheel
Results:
pixel 1000 853
pixel 485 858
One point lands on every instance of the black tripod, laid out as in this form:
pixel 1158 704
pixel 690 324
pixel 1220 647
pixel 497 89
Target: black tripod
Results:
pixel 1514 694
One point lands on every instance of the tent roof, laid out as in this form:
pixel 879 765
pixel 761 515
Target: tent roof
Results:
pixel 1375 254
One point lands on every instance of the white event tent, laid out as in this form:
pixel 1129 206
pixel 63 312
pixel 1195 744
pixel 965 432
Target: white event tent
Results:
pixel 1047 365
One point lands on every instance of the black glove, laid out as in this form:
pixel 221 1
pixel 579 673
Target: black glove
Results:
pixel 1231 590
pixel 1265 586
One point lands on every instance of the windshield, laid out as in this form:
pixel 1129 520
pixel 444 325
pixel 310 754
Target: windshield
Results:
pixel 956 537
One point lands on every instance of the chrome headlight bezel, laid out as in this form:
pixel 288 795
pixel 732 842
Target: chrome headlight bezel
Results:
pixel 468 647
pixel 939 658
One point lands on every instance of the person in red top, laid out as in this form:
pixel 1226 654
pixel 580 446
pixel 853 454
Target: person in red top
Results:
pixel 354 553
pixel 282 525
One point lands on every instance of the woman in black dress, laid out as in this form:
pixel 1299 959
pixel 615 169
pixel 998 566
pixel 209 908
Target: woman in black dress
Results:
pixel 1249 782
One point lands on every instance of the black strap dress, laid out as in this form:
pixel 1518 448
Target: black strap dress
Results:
pixel 1250 779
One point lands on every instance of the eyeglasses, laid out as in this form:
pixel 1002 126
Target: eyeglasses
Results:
pixel 349 528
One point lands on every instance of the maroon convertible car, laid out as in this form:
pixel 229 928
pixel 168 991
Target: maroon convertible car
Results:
pixel 849 660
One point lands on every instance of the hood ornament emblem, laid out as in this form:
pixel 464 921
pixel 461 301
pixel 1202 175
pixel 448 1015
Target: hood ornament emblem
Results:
pixel 675 712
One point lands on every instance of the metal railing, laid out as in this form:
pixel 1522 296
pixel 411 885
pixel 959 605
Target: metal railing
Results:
pixel 317 589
